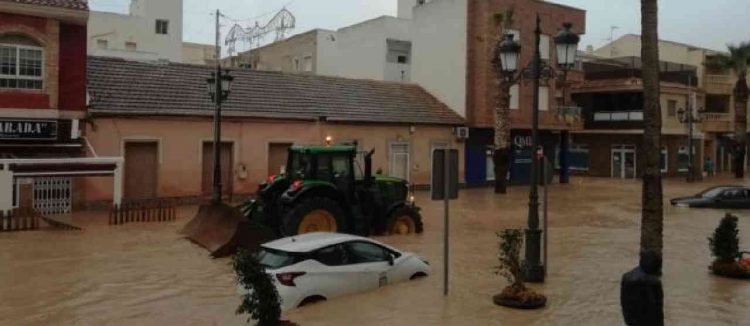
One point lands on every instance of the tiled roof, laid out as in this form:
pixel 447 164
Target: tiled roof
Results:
pixel 67 4
pixel 121 87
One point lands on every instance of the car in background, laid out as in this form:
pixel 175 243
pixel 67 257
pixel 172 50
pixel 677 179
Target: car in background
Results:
pixel 732 197
pixel 319 266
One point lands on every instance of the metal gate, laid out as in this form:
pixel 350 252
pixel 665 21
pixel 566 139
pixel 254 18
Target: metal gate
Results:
pixel 53 195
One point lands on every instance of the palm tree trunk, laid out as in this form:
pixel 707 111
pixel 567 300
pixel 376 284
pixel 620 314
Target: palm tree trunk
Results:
pixel 740 126
pixel 501 156
pixel 652 210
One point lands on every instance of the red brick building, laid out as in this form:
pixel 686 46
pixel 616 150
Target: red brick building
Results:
pixel 481 85
pixel 42 93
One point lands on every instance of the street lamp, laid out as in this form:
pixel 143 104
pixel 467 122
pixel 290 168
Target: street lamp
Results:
pixel 508 52
pixel 219 86
pixel 690 118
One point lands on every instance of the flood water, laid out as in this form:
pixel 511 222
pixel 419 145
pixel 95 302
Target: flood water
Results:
pixel 145 274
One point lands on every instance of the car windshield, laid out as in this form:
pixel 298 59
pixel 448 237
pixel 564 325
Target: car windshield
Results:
pixel 275 259
pixel 713 192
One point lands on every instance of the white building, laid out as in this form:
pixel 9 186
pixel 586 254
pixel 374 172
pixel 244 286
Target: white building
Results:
pixel 152 30
pixel 383 48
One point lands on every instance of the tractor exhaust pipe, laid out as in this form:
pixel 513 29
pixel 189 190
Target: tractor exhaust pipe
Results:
pixel 368 168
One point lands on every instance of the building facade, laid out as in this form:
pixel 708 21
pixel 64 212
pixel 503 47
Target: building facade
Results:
pixel 198 54
pixel 717 104
pixel 43 106
pixel 140 111
pixel 612 100
pixel 151 31
pixel 446 47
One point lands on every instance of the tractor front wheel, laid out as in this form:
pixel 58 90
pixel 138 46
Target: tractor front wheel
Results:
pixel 404 221
pixel 315 214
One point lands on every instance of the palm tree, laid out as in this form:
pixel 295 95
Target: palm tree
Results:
pixel 737 60
pixel 652 222
pixel 501 155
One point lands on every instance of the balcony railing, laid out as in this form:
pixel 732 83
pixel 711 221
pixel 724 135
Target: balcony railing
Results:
pixel 618 116
pixel 713 116
pixel 719 79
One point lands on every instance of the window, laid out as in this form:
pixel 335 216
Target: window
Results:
pixel 363 252
pixel 296 64
pixel 21 66
pixel 543 98
pixel 544 47
pixel 664 160
pixel 402 59
pixel 162 27
pixel 341 168
pixel 683 159
pixel 514 97
pixel 579 158
pixel 324 167
pixel 308 64
pixel 398 51
pixel 331 256
pixel 131 46
pixel 399 160
pixel 671 108
pixel 102 44
pixel 275 259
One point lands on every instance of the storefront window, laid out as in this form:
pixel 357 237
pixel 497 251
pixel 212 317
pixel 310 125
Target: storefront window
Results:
pixel 683 159
pixel 490 166
pixel 664 160
pixel 578 157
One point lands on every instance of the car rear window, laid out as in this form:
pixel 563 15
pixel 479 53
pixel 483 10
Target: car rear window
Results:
pixel 275 259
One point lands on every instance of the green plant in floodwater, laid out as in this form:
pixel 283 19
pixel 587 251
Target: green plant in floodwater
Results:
pixel 262 300
pixel 510 265
pixel 725 241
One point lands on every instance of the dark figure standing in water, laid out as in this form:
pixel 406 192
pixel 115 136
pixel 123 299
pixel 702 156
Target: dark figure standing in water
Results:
pixel 641 294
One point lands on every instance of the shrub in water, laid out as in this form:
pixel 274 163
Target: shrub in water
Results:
pixel 262 300
pixel 725 241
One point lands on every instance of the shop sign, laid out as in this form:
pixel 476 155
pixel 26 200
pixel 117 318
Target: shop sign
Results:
pixel 28 129
pixel 523 141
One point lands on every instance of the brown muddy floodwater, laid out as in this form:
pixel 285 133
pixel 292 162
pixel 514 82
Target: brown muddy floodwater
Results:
pixel 147 275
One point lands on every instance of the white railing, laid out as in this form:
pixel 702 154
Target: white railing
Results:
pixel 714 116
pixel 619 116
pixel 719 79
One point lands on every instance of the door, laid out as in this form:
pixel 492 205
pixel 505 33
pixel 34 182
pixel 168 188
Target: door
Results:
pixel 226 168
pixel 141 170
pixel 624 162
pixel 399 160
pixel 277 157
pixel 372 260
pixel 53 195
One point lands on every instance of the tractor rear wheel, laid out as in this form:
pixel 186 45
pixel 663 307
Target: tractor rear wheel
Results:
pixel 404 221
pixel 314 214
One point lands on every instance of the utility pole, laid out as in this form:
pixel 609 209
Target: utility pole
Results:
pixel 216 198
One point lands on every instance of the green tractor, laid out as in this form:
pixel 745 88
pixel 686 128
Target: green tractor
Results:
pixel 324 188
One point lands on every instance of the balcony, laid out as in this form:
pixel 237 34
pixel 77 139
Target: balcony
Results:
pixel 623 119
pixel 618 116
pixel 716 122
pixel 718 84
pixel 572 116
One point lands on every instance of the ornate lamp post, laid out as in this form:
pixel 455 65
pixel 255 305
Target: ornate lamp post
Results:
pixel 219 86
pixel 509 52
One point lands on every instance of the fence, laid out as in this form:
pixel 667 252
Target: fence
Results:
pixel 19 220
pixel 145 211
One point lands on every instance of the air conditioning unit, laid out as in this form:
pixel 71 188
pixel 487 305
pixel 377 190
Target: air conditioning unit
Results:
pixel 462 133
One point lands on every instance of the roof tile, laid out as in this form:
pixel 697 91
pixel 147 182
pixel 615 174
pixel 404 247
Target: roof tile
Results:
pixel 67 4
pixel 121 87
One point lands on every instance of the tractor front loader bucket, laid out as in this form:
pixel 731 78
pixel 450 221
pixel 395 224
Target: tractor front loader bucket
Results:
pixel 222 229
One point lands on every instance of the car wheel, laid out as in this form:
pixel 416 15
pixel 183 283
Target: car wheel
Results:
pixel 404 221
pixel 314 214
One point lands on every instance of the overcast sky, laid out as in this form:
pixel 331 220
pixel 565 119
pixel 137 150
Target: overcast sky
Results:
pixel 710 24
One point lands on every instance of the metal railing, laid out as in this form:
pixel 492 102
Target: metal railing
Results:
pixel 719 79
pixel 619 116
pixel 714 116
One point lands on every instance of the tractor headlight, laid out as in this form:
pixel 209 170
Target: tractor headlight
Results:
pixel 412 200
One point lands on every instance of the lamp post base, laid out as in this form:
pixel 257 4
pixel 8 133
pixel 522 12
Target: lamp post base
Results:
pixel 533 268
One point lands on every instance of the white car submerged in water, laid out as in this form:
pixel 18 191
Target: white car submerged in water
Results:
pixel 319 266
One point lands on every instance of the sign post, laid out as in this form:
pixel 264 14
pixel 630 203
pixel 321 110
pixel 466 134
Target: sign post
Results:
pixel 445 187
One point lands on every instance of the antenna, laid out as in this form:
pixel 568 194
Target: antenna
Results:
pixel 279 25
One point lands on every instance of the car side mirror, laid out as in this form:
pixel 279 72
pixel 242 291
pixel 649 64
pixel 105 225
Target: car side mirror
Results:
pixel 390 260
